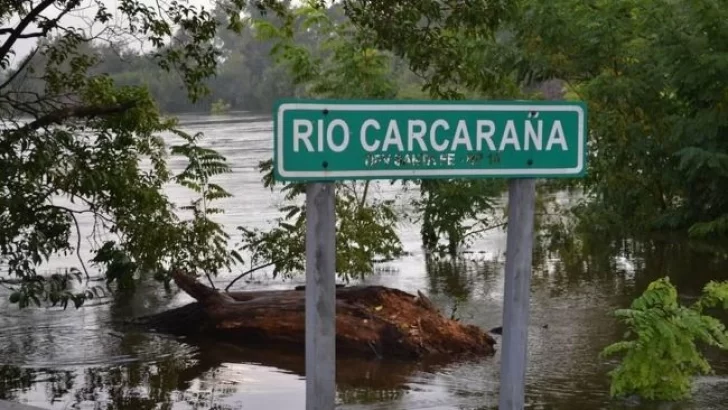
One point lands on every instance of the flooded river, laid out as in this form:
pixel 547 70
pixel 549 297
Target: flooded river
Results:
pixel 74 359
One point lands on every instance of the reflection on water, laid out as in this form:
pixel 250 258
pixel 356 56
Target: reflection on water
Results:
pixel 59 359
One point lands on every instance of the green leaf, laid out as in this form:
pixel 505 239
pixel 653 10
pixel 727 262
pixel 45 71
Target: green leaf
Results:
pixel 659 362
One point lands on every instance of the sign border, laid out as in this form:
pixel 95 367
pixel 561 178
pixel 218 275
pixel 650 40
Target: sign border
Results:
pixel 283 105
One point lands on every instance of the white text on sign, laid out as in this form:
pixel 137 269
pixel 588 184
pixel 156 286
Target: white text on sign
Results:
pixel 438 136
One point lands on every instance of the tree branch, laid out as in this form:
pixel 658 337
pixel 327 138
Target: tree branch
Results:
pixel 24 23
pixel 364 195
pixel 33 35
pixel 489 228
pixel 78 245
pixel 28 35
pixel 209 280
pixel 62 114
pixel 72 213
pixel 246 273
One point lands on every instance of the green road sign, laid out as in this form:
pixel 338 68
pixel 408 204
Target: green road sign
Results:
pixel 320 140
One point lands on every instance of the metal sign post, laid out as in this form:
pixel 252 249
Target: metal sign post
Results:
pixel 320 296
pixel 516 295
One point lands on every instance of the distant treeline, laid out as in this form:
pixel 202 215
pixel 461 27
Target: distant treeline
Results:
pixel 247 80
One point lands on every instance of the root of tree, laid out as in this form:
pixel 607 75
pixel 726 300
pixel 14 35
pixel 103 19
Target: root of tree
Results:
pixel 370 321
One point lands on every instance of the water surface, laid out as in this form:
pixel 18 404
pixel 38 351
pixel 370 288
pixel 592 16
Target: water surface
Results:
pixel 71 359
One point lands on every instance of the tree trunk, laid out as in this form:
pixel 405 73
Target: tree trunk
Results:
pixel 370 321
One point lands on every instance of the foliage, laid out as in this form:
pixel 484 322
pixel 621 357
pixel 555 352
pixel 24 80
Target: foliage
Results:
pixel 246 77
pixel 314 65
pixel 653 74
pixel 365 233
pixel 335 66
pixel 656 153
pixel 444 59
pixel 220 107
pixel 448 52
pixel 445 206
pixel 660 355
pixel 78 143
pixel 447 42
pixel 328 57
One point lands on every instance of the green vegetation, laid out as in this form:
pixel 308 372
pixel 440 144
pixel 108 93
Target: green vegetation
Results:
pixel 652 73
pixel 660 355
pixel 219 107
pixel 76 142
pixel 84 119
pixel 334 66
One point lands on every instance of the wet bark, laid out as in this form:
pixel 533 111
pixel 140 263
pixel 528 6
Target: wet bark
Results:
pixel 370 321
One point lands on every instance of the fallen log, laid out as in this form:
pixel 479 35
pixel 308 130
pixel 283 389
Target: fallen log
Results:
pixel 370 321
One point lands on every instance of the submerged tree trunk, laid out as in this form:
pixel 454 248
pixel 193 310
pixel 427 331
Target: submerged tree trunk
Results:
pixel 370 321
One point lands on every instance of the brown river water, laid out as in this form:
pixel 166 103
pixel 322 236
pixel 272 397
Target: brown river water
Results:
pixel 75 359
